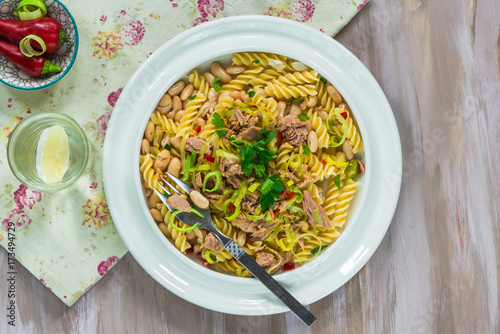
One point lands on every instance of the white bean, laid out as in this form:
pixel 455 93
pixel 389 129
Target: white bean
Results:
pixel 200 122
pixel 176 88
pixel 334 94
pixel 219 72
pixel 153 200
pixel 198 199
pixel 175 142
pixel 241 238
pixel 174 167
pixel 212 95
pixel 204 109
pixel 178 116
pixel 165 104
pixel 145 147
pixel 295 109
pixel 209 77
pixel 312 141
pixel 177 104
pixel 347 149
pixel 149 132
pixel 186 92
pixel 162 160
pixel 156 215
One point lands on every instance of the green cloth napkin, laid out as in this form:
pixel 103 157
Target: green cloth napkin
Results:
pixel 67 239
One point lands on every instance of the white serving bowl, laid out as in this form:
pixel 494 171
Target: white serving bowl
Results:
pixel 370 213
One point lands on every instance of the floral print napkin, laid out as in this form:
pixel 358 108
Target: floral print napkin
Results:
pixel 67 239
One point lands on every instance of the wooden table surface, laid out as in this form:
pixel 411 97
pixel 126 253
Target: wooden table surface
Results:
pixel 437 269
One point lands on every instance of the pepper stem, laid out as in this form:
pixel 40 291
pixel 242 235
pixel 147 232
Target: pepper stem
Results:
pixel 63 37
pixel 48 67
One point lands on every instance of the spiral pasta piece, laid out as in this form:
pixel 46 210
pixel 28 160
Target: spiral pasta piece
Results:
pixel 331 198
pixel 264 77
pixel 323 97
pixel 299 78
pixel 179 238
pixel 279 90
pixel 352 134
pixel 147 171
pixel 242 80
pixel 310 243
pixel 333 170
pixel 316 192
pixel 316 166
pixel 284 153
pixel 207 131
pixel 166 124
pixel 247 58
pixel 346 196
pixel 190 114
pixel 320 128
pixel 199 82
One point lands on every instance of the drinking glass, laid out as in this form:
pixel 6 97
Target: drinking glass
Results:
pixel 23 150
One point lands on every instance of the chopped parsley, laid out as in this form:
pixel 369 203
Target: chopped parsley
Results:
pixel 331 123
pixel 318 249
pixel 217 120
pixel 270 190
pixel 250 85
pixel 216 84
pixel 298 99
pixel 167 147
pixel 323 80
pixel 191 98
pixel 220 133
pixel 256 61
pixel 251 94
pixel 306 150
pixel 303 117
pixel 255 156
pixel 337 181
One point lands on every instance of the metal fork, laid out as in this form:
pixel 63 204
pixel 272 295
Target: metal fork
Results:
pixel 234 249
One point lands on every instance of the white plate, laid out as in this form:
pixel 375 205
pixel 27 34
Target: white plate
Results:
pixel 370 214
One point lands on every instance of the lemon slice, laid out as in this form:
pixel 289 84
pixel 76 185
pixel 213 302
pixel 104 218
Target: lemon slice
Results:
pixel 53 154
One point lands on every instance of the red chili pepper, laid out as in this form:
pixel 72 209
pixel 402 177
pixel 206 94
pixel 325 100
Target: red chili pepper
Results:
pixel 202 259
pixel 323 162
pixel 209 158
pixel 289 266
pixel 198 128
pixel 280 138
pixel 283 193
pixel 253 106
pixel 34 66
pixel 231 207
pixel 276 213
pixel 343 114
pixel 361 168
pixel 189 250
pixel 47 28
pixel 290 195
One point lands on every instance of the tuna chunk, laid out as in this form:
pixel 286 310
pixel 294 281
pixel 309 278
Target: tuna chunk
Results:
pixel 212 243
pixel 310 206
pixel 259 229
pixel 229 167
pixel 212 198
pixel 235 180
pixel 293 129
pixel 178 203
pixel 198 182
pixel 194 144
pixel 264 259
pixel 251 134
pixel 251 202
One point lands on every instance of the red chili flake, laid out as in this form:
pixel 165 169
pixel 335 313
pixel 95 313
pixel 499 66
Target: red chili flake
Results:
pixel 289 266
pixel 189 250
pixel 290 195
pixel 209 158
pixel 231 207
pixel 198 128
pixel 279 136
pixel 361 168
pixel 344 114
pixel 253 106
pixel 283 193
pixel 323 162
pixel 276 213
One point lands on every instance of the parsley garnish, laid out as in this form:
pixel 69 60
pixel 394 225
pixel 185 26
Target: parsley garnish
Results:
pixel 270 190
pixel 303 117
pixel 331 123
pixel 323 80
pixel 251 94
pixel 306 150
pixel 191 98
pixel 167 147
pixel 220 133
pixel 298 99
pixel 318 249
pixel 337 181
pixel 217 120
pixel 216 84
pixel 256 61
pixel 250 85
pixel 255 156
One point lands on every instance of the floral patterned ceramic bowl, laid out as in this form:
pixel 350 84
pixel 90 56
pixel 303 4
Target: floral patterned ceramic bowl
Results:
pixel 65 57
